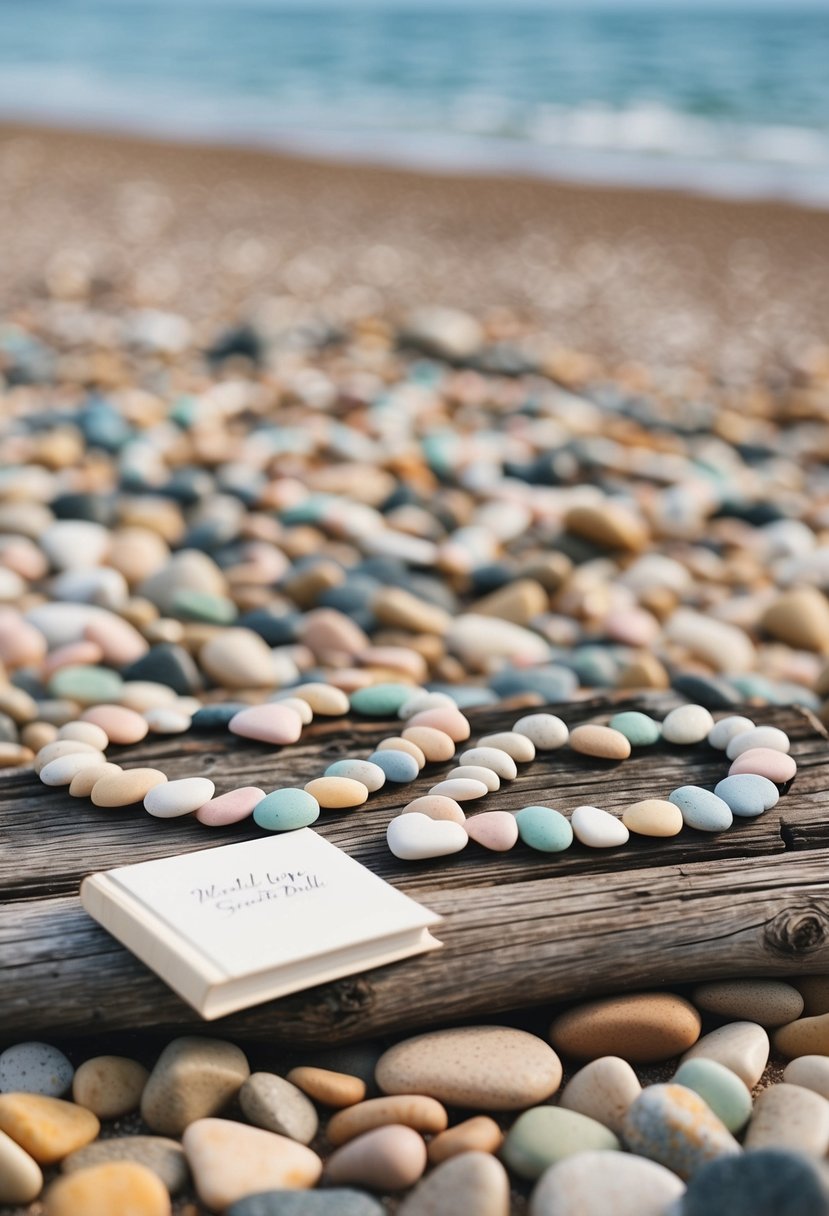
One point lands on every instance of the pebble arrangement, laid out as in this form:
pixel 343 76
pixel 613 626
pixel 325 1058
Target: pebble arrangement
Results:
pixel 435 824
pixel 450 1121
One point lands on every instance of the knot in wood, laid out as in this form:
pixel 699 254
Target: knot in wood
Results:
pixel 350 997
pixel 799 931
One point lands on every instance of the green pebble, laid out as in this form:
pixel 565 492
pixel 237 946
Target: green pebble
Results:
pixel 381 700
pixel 201 606
pixel 544 829
pixel 286 810
pixel 638 729
pixel 547 1134
pixel 86 684
pixel 723 1090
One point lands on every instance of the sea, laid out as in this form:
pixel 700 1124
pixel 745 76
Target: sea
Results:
pixel 729 99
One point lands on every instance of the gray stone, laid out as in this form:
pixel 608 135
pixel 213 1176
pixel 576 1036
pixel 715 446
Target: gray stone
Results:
pixel 164 1157
pixel 338 1201
pixel 272 1102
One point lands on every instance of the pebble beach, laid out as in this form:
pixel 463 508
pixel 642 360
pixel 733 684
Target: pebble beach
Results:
pixel 283 442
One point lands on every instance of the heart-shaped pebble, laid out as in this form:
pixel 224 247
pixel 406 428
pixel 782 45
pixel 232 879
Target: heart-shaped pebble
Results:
pixel 495 830
pixel 414 837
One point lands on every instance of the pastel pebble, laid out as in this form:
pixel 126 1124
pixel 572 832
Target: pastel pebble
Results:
pixel 604 1090
pixel 767 1002
pixel 425 700
pixel 276 1104
pixel 35 1068
pixel 675 1127
pixel 286 810
pixel 298 705
pixel 741 1046
pixel 164 1157
pixel 170 799
pixel 472 1181
pixel 599 741
pixel 765 762
pixel 722 732
pixel 336 793
pixel 806 1036
pixel 164 720
pixel 544 829
pixel 48 1129
pixel 398 766
pixel 520 747
pixel 494 758
pixel 230 1161
pixel 268 723
pixel 416 837
pixel 642 1027
pixel 461 789
pixel 638 728
pixel 85 684
pixel 792 1117
pixel 62 770
pixel 83 783
pixel 653 817
pixel 417 1111
pixel 396 743
pixel 109 1086
pixel 324 699
pixel 476 772
pixel 759 736
pixel 85 732
pixel 230 807
pixel 21 1180
pixel 62 747
pixel 328 1087
pixel 371 775
pixel 385 1159
pixel 193 1078
pixel 381 700
pixel 480 1134
pixel 605 1183
pixel 546 1134
pixel 495 830
pixel 435 744
pixel 728 1097
pixel 812 1072
pixel 545 731
pixel 687 724
pixel 436 806
pixel 701 809
pixel 122 725
pixel 747 794
pixel 102 1190
pixel 597 828
pixel 127 787
pixel 451 721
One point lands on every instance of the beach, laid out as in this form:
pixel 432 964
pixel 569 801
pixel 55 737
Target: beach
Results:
pixel 620 276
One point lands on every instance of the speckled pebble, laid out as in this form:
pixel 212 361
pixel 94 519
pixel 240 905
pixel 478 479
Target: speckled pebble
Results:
pixel 544 829
pixel 686 725
pixel 598 829
pixel 398 766
pixel 641 1027
pixel 35 1068
pixel 371 775
pixel 747 794
pixel 728 1097
pixel 767 1002
pixel 673 1126
pixel 416 837
pixel 336 793
pixel 286 810
pixel 192 1078
pixel 109 1086
pixel 702 809
pixel 546 732
pixel 805 1036
pixel 276 1104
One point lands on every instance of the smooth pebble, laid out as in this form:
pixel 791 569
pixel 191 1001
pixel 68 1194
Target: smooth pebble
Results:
pixel 230 1161
pixel 230 807
pixel 546 1134
pixel 789 1116
pixel 520 747
pixel 544 829
pixel 545 731
pixel 653 817
pixel 673 1126
pixel 728 1097
pixel 268 723
pixel 417 1111
pixel 600 742
pixel 278 1105
pixel 461 789
pixel 109 1086
pixel 471 1182
pixel 475 772
pixel 171 799
pixel 741 1046
pixel 606 1184
pixel 416 837
pixel 747 794
pixel 641 1027
pixel 687 724
pixel 398 766
pixel 494 830
pixel 638 728
pixel 35 1068
pixel 726 729
pixel 603 1090
pixel 103 1190
pixel 480 1134
pixel 493 758
pixel 701 809
pixel 336 793
pixel 598 829
pixel 759 736
pixel 436 806
pixel 371 775
pixel 766 762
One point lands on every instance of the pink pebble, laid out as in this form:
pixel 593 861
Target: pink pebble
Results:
pixel 270 723
pixel 120 642
pixel 496 830
pixel 397 658
pixel 21 645
pixel 230 807
pixel 445 718
pixel 777 766
pixel 122 725
pixel 70 654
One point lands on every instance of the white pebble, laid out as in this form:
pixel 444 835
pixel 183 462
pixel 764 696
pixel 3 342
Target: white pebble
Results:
pixel 545 731
pixel 413 837
pixel 301 706
pixel 476 772
pixel 519 747
pixel 182 797
pixel 722 732
pixel 425 700
pixel 164 721
pixel 598 829
pixel 491 757
pixel 461 789
pixel 687 724
pixel 61 770
pixel 759 736
pixel 85 732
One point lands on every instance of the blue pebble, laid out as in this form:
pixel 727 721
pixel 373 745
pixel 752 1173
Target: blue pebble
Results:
pixel 544 829
pixel 466 696
pixel 286 810
pixel 336 1201
pixel 702 809
pixel 381 700
pixel 764 1182
pixel 638 729
pixel 552 683
pixel 748 794
pixel 398 766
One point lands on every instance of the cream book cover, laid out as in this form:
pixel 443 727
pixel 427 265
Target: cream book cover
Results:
pixel 240 924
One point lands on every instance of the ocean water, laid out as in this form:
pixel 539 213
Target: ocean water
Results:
pixel 729 101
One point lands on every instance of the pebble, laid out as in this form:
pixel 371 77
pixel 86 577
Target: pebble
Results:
pixel 324 699
pixel 85 732
pixel 476 1067
pixel 60 748
pixel 804 1037
pixel 642 1027
pixel 815 992
pixel 494 758
pixel 673 1126
pixel 398 766
pixel 171 799
pixel 435 744
pixel 126 788
pixel 451 721
pixel 546 1134
pixel 35 1068
pixel 390 1158
pixel 237 658
pixel 494 830
pixel 417 837
pixel 767 1002
pixel 741 1046
pixel 333 1201
pixel 165 721
pixel 87 685
pixel 765 762
pixel 193 1078
pixel 602 1090
pixel 478 640
pixel 475 772
pixel 748 795
pixel 109 1086
pixel 759 736
pixel 812 1072
pixel 230 1161
pixel 519 747
pixel 470 1182
pixel 601 742
pixel 48 1129
pixel 800 618
pixel 701 809
pixel 337 793
pixel 764 1182
pixel 424 1114
pixel 381 700
pixel 231 807
pixel 327 1087
pixel 13 755
pixel 653 817
pixel 544 829
pixel 605 1183
pixel 597 828
pixel 687 724
pixel 119 724
pixel 370 775
pixel 722 732
pixel 61 771
pixel 269 723
pixel 436 806
pixel 164 1157
pixel 789 1116
pixel 279 1106
pixel 609 524
pixel 84 781
pixel 297 704
pixel 396 743
pixel 21 1180
pixel 638 728
pixel 480 1134
pixel 104 1190
pixel 546 732
pixel 460 789
pixel 283 810
pixel 727 1096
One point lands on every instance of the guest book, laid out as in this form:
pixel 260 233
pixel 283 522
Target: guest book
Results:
pixel 237 925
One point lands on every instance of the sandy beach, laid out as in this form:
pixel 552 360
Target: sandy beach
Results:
pixel 217 233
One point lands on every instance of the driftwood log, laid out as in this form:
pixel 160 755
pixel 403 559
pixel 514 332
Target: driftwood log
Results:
pixel 520 928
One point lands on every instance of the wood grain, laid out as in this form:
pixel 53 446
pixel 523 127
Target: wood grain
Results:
pixel 519 929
